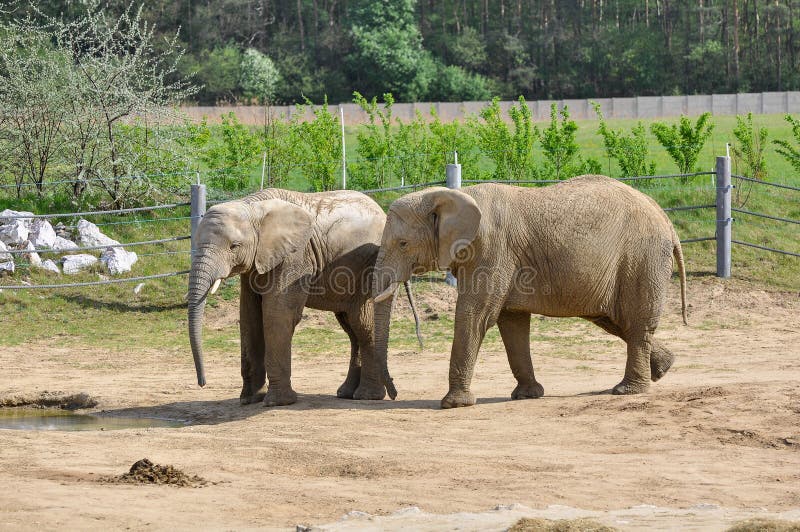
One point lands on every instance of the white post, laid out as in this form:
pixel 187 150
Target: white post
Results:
pixel 344 155
pixel 263 169
pixel 452 180
pixel 724 219
pixel 198 209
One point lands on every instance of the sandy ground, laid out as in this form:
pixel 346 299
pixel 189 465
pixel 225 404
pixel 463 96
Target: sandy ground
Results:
pixel 717 440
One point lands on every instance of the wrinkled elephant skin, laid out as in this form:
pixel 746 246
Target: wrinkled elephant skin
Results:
pixel 590 247
pixel 292 250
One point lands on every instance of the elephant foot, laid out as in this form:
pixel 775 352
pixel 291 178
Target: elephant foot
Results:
pixel 532 390
pixel 630 388
pixel 370 392
pixel 280 397
pixel 247 397
pixel 458 398
pixel 661 360
pixel 348 388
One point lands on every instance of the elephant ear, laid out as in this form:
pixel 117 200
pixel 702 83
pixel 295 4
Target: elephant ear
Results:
pixel 455 225
pixel 283 228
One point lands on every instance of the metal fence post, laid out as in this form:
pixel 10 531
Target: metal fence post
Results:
pixel 724 219
pixel 452 180
pixel 198 209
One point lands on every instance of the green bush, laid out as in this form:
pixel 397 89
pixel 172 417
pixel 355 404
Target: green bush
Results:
pixel 630 151
pixel 791 153
pixel 321 146
pixel 562 159
pixel 510 151
pixel 684 141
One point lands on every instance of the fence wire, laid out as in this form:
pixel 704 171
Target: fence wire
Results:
pixel 95 213
pixel 767 183
pixel 93 283
pixel 89 248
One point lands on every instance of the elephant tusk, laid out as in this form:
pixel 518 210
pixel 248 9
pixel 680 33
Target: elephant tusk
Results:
pixel 386 294
pixel 215 286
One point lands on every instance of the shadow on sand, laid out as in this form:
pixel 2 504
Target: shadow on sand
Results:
pixel 228 410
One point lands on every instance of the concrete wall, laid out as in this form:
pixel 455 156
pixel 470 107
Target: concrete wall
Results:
pixel 637 107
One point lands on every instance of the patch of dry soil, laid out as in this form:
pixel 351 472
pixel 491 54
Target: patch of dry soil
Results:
pixel 714 442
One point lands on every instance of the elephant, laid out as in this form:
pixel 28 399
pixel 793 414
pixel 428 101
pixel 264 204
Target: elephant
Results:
pixel 291 250
pixel 589 247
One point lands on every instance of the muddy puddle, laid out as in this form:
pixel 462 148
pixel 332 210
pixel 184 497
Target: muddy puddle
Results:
pixel 22 418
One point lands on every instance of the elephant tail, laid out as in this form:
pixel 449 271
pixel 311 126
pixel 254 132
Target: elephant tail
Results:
pixel 677 252
pixel 407 284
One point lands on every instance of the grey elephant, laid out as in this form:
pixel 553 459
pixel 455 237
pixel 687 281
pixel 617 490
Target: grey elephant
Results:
pixel 291 250
pixel 590 247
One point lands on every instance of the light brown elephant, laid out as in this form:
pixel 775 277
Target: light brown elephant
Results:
pixel 292 250
pixel 590 247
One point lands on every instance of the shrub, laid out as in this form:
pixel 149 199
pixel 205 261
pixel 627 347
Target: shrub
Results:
pixel 511 151
pixel 684 141
pixel 562 159
pixel 321 145
pixel 785 148
pixel 630 151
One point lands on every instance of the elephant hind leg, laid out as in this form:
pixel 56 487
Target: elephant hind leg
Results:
pixel 515 330
pixel 661 358
pixel 637 367
pixel 353 378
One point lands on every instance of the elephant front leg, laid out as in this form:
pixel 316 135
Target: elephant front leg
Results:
pixel 370 386
pixel 473 319
pixel 515 330
pixel 280 320
pixel 353 378
pixel 252 344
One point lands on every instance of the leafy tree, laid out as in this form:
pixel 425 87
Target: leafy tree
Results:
pixel 259 76
pixel 82 80
pixel 684 141
pixel 453 83
pixel 217 72
pixel 562 159
pixel 388 54
pixel 232 156
pixel 749 148
pixel 790 152
pixel 376 143
pixel 34 100
pixel 511 151
pixel 630 151
pixel 321 145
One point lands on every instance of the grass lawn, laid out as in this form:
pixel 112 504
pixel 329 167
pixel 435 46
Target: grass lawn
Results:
pixel 115 317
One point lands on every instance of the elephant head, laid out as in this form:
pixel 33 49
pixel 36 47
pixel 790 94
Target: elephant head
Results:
pixel 424 231
pixel 234 238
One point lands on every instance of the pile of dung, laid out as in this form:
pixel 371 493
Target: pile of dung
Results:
pixel 146 472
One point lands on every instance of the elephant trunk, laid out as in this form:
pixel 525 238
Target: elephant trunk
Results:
pixel 201 277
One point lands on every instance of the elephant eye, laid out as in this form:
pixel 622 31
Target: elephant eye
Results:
pixel 235 246
pixel 403 244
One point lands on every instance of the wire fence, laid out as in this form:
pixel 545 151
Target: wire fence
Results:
pixel 691 190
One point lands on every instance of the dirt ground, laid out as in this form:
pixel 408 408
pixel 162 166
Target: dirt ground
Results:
pixel 716 441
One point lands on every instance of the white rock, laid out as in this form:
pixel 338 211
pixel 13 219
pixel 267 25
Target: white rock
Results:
pixel 117 260
pixel 89 235
pixel 49 266
pixel 75 263
pixel 4 217
pixel 14 232
pixel 7 267
pixel 42 234
pixel 32 257
pixel 3 249
pixel 62 244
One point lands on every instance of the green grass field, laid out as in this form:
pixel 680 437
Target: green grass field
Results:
pixel 113 316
